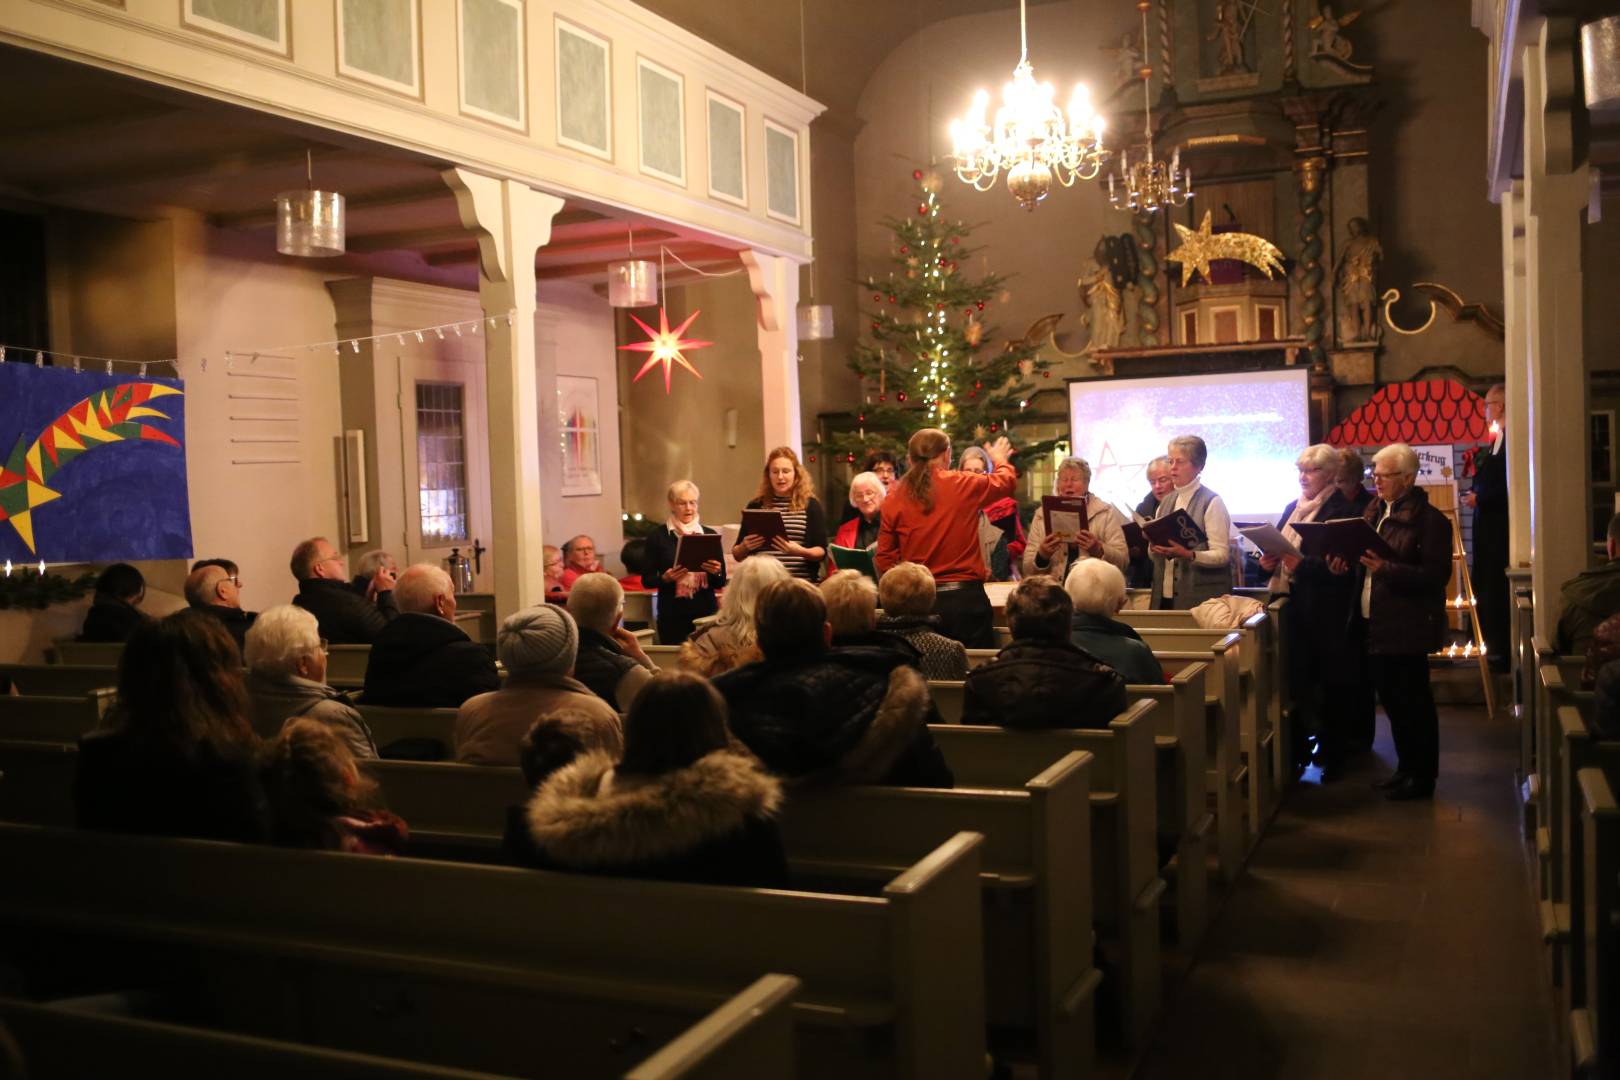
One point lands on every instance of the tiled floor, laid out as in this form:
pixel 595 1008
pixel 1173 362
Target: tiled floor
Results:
pixel 1375 940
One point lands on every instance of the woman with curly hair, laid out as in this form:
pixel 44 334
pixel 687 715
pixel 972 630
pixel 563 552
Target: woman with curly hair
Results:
pixel 318 799
pixel 786 487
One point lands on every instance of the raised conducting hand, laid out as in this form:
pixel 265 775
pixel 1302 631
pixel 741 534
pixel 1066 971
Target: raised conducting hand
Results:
pixel 1000 451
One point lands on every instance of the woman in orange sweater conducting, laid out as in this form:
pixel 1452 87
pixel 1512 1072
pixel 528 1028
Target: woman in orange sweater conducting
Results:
pixel 931 516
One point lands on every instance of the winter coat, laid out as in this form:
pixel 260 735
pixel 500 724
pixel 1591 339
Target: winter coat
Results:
pixel 1587 599
pixel 128 784
pixel 1102 521
pixel 709 823
pixel 1408 612
pixel 427 662
pixel 235 620
pixel 491 727
pixel 714 650
pixel 1119 646
pixel 277 700
pixel 942 657
pixel 848 716
pixel 345 617
pixel 1043 684
pixel 676 613
pixel 603 666
pixel 877 639
pixel 110 621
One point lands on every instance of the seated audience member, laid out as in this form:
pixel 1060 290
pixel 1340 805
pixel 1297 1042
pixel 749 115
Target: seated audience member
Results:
pixel 178 758
pixel 538 646
pixel 684 595
pixel 366 568
pixel 1159 485
pixel 1604 647
pixel 679 805
pixel 1042 680
pixel 550 744
pixel 1185 577
pixel 1097 591
pixel 907 595
pixel 318 799
pixel 851 601
pixel 579 557
pixel 1003 513
pixel 286 661
pixel 634 558
pixel 1590 597
pixel 423 658
pixel 610 659
pixel 345 617
pixel 115 609
pixel 1606 701
pixel 554 570
pixel 848 716
pixel 866 493
pixel 728 642
pixel 1102 538
pixel 210 588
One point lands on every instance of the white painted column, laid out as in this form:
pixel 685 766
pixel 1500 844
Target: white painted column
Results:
pixel 1556 191
pixel 1517 376
pixel 775 281
pixel 512 221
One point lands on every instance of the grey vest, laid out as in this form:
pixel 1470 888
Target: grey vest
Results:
pixel 1194 583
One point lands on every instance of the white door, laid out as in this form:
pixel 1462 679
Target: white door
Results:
pixel 444 428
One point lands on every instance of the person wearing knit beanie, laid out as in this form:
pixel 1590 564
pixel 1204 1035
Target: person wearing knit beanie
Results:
pixel 541 640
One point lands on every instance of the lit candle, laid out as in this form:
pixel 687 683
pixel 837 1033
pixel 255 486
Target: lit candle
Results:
pixel 42 568
pixel 8 568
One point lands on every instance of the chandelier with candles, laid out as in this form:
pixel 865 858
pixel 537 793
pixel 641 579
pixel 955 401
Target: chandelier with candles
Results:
pixel 1149 185
pixel 1031 140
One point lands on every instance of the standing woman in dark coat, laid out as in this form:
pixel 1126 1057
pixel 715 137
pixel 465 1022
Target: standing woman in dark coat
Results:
pixel 180 758
pixel 1403 608
pixel 1489 500
pixel 1321 667
pixel 684 596
pixel 1359 715
pixel 786 487
pixel 680 805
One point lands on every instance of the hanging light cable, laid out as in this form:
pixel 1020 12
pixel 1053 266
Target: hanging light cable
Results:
pixel 815 320
pixel 1149 184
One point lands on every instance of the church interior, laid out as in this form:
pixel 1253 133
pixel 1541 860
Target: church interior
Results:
pixel 453 286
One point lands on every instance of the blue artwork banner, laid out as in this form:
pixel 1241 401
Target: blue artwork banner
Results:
pixel 92 467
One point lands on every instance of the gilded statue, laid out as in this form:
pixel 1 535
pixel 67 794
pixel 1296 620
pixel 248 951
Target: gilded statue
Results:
pixel 1356 278
pixel 1105 311
pixel 1229 33
pixel 1327 42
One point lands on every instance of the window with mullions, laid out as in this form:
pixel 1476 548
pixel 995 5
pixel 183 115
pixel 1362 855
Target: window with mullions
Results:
pixel 441 462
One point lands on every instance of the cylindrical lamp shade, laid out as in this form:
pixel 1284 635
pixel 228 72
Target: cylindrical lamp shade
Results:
pixel 309 223
pixel 815 322
pixel 633 283
pixel 1600 62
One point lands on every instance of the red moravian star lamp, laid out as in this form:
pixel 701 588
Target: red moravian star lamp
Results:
pixel 664 346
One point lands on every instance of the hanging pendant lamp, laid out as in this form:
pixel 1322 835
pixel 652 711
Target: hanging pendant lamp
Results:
pixel 310 223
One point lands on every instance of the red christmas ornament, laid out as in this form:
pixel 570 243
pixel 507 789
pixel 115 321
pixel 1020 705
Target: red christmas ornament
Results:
pixel 904 250
pixel 956 239
pixel 916 174
pixel 980 305
pixel 978 385
pixel 967 313
pixel 861 418
pixel 850 459
pixel 973 393
pixel 883 397
pixel 942 260
pixel 994 428
pixel 922 209
pixel 874 326
pixel 900 396
pixel 812 459
pixel 891 299
pixel 941 307
pixel 877 298
pixel 1046 374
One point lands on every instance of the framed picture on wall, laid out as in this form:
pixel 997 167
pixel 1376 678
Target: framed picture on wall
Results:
pixel 263 25
pixel 579 430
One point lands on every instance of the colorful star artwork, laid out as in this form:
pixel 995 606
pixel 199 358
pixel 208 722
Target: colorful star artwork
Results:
pixel 664 346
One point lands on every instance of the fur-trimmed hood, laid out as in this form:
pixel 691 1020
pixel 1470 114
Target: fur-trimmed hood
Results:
pixel 647 819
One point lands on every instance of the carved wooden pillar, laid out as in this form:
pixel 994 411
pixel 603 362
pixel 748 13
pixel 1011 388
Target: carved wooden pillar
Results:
pixel 1147 278
pixel 1312 185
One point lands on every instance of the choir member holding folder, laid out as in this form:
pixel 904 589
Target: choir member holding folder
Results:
pixel 1323 668
pixel 931 516
pixel 685 563
pixel 1401 614
pixel 1073 524
pixel 785 520
pixel 1190 564
pixel 866 493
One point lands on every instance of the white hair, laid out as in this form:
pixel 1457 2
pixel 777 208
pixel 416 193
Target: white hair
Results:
pixel 595 601
pixel 851 598
pixel 1095 587
pixel 1399 457
pixel 1075 464
pixel 419 586
pixel 1321 456
pixel 871 480
pixel 742 593
pixel 372 561
pixel 279 638
pixel 679 486
pixel 1193 447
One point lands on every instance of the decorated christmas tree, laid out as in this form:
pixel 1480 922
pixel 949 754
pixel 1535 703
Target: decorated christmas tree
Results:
pixel 926 359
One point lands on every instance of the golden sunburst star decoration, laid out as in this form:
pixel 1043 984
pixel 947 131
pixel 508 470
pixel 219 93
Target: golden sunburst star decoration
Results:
pixel 665 346
pixel 1198 248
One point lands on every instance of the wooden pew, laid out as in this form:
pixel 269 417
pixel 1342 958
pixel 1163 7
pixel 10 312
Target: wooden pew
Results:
pixel 749 1036
pixel 483 603
pixel 1225 774
pixel 1582 749
pixel 389 723
pixel 667 657
pixel 1126 887
pixel 1566 673
pixel 1554 908
pixel 52 717
pixel 346 665
pixel 59 680
pixel 980 657
pixel 1036 859
pixel 1522 662
pixel 504 961
pixel 1594 1026
pixel 85 653
pixel 36 782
